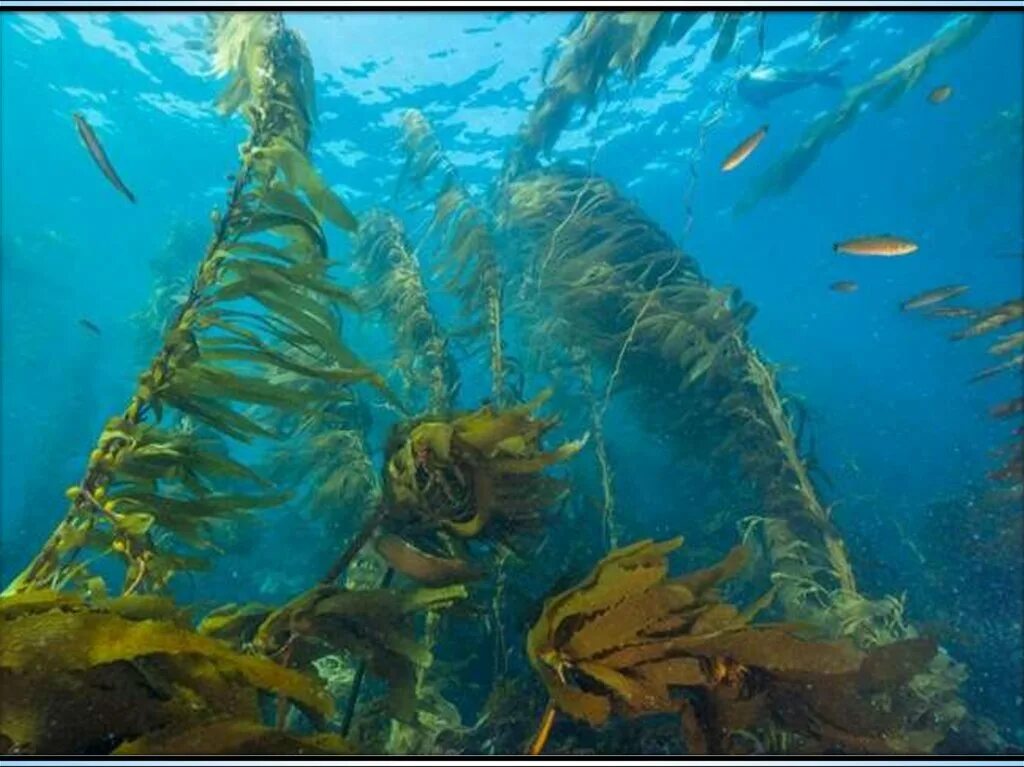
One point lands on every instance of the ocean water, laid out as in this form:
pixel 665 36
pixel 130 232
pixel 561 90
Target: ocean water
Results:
pixel 905 441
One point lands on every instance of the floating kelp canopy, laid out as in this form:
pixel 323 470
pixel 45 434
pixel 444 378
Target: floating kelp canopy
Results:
pixel 597 45
pixel 881 91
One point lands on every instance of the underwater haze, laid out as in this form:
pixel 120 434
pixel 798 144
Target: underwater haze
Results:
pixel 359 336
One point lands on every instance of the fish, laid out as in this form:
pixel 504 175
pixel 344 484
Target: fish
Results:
pixel 933 296
pixel 882 245
pixel 92 143
pixel 1004 314
pixel 1007 343
pixel 1016 362
pixel 952 311
pixel 762 85
pixel 743 151
pixel 844 286
pixel 940 94
pixel 1008 408
pixel 90 326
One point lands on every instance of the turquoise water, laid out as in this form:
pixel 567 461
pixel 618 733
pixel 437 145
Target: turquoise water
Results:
pixel 896 426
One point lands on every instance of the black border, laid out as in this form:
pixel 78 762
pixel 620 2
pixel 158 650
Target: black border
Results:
pixel 384 6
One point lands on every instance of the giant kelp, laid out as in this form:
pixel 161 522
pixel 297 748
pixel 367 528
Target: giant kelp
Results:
pixel 475 473
pixel 629 640
pixel 94 676
pixel 268 251
pixel 397 293
pixel 616 284
pixel 880 92
pixel 465 229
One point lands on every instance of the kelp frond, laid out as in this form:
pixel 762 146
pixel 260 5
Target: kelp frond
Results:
pixel 395 290
pixel 599 44
pixel 97 675
pixel 477 473
pixel 629 636
pixel 373 625
pixel 261 312
pixel 467 236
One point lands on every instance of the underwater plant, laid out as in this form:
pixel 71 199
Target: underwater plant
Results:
pixel 146 483
pixel 387 263
pixel 475 474
pixel 629 640
pixel 148 682
pixel 596 45
pixel 619 287
pixel 466 231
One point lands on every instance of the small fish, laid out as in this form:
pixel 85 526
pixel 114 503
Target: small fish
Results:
pixel 844 286
pixel 933 296
pixel 1003 314
pixel 90 326
pixel 883 245
pixel 763 84
pixel 952 311
pixel 99 156
pixel 1007 343
pixel 743 151
pixel 1016 362
pixel 940 94
pixel 1008 408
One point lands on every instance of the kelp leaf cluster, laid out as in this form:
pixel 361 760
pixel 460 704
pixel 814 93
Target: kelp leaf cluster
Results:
pixel 475 474
pixel 630 640
pixel 81 675
pixel 374 625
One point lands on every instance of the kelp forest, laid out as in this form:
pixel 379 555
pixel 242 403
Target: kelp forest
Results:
pixel 474 578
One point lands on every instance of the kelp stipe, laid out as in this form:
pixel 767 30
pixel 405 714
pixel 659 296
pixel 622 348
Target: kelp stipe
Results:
pixel 269 248
pixel 467 235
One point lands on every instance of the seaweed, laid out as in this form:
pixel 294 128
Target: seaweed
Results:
pixel 629 640
pixel 374 625
pixel 466 231
pixel 268 249
pixel 620 288
pixel 398 296
pixel 475 474
pixel 135 666
pixel 598 45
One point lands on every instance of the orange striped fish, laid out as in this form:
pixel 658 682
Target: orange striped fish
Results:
pixel 99 156
pixel 883 245
pixel 743 151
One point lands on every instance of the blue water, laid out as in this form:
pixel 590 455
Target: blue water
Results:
pixel 897 428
